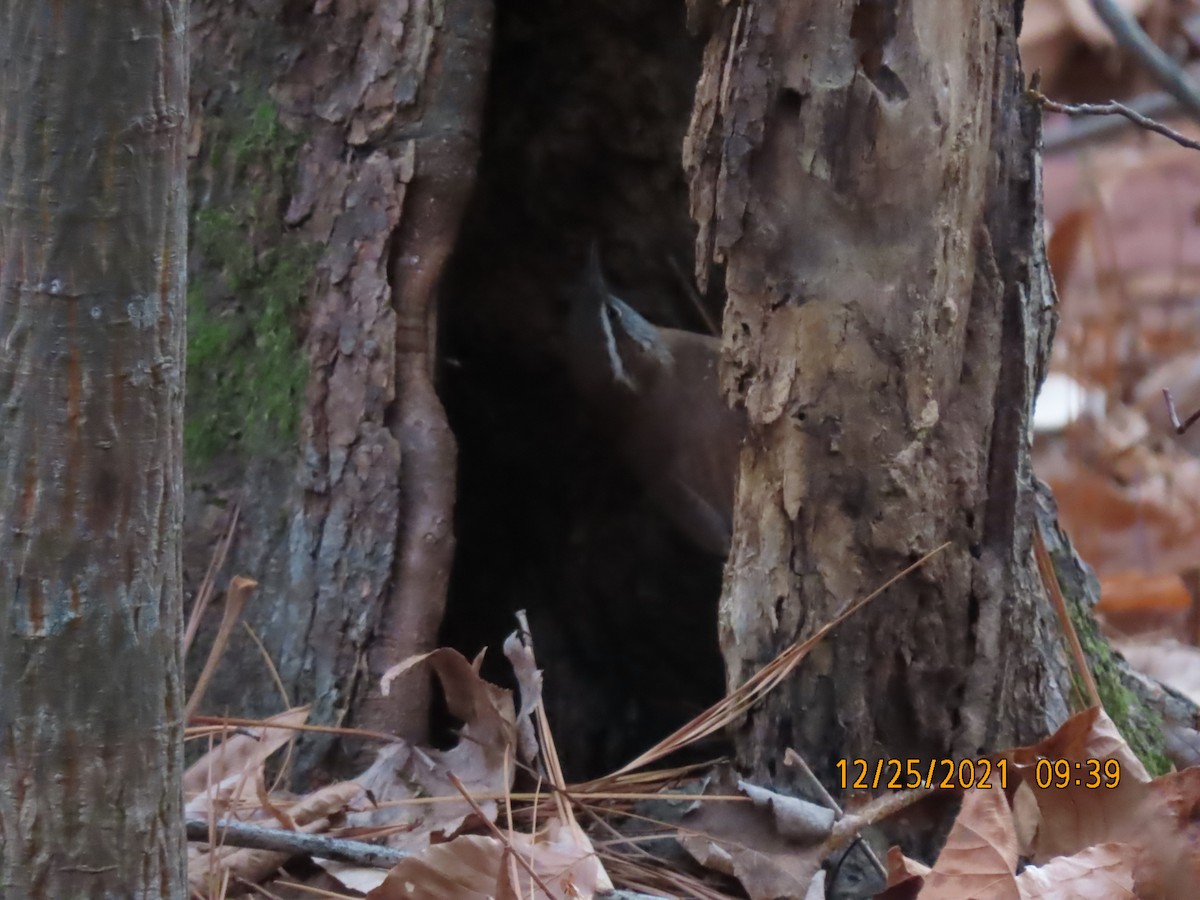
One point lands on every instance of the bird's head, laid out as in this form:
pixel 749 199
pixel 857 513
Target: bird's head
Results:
pixel 610 343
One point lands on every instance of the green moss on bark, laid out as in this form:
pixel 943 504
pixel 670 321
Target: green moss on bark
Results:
pixel 1139 725
pixel 249 276
pixel 1121 693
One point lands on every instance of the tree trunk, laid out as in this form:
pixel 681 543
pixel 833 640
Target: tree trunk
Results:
pixel 92 244
pixel 385 175
pixel 356 126
pixel 866 170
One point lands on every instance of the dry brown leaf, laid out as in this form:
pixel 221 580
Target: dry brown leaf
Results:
pixel 481 763
pixel 1065 241
pixel 309 814
pixel 980 854
pixel 466 868
pixel 1167 832
pixel 1103 872
pixel 331 800
pixel 1156 817
pixel 1074 817
pixel 475 867
pixel 378 801
pixel 222 864
pixel 1147 520
pixel 1086 735
pixel 1026 817
pixel 227 774
pixel 564 859
pixel 1132 592
pixel 905 877
pixel 480 760
pixel 484 708
pixel 794 818
pixel 1099 842
pixel 363 879
pixel 248 748
pixel 743 840
pixel 529 684
pixel 901 868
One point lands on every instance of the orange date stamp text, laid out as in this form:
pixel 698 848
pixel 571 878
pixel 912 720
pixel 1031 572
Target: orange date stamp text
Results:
pixel 910 774
pixel 964 774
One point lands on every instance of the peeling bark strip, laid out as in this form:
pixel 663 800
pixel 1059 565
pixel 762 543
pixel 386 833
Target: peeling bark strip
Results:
pixel 394 93
pixel 866 170
pixel 92 249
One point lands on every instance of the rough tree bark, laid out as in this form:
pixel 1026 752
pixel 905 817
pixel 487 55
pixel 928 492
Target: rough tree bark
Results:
pixel 92 247
pixel 393 106
pixel 386 101
pixel 866 170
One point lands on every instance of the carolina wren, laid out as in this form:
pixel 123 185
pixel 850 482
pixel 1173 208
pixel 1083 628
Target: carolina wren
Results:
pixel 654 394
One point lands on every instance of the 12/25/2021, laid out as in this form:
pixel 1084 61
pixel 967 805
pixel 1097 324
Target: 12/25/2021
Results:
pixel 900 774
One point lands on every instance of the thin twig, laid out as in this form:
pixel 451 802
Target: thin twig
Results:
pixel 294 843
pixel 1155 105
pixel 499 835
pixel 1112 108
pixel 201 726
pixel 1130 35
pixel 286 768
pixel 1083 130
pixel 1180 427
pixel 546 742
pixel 235 600
pixel 875 811
pixel 215 564
pixel 793 758
pixel 1050 579
pixel 737 703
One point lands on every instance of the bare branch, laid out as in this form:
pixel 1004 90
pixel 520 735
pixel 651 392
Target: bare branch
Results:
pixel 1180 427
pixel 1112 108
pixel 1085 129
pixel 1130 35
pixel 295 843
pixel 255 837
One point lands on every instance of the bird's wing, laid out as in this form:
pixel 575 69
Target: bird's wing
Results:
pixel 696 515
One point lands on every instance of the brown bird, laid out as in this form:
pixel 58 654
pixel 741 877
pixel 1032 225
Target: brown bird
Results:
pixel 654 394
